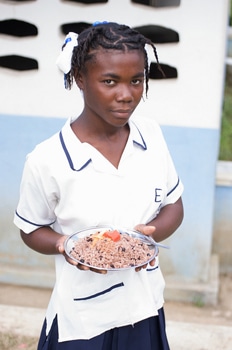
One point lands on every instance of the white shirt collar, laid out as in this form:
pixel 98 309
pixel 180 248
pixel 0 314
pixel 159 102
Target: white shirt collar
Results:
pixel 79 154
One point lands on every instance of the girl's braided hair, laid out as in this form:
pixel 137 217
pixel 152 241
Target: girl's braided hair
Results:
pixel 108 35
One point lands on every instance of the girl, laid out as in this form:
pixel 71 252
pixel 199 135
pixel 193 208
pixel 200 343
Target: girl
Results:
pixel 102 169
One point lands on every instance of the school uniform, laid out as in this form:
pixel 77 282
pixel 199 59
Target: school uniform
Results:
pixel 69 186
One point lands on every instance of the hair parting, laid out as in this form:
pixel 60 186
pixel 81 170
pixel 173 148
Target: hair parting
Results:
pixel 108 36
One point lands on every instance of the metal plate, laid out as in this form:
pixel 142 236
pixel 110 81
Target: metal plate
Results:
pixel 72 239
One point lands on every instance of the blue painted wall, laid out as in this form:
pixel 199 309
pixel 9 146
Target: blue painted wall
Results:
pixel 194 151
pixel 19 135
pixel 195 154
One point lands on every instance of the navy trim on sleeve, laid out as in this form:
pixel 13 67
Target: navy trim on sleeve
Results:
pixel 173 189
pixel 32 223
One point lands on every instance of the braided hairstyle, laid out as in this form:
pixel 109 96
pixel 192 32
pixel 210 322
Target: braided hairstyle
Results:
pixel 108 35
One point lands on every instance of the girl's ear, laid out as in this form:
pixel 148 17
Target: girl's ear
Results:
pixel 79 80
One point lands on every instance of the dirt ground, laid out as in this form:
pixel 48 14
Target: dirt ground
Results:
pixel 220 314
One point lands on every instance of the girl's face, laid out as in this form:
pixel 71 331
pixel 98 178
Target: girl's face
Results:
pixel 112 86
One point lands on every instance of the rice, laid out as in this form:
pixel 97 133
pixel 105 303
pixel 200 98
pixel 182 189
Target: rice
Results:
pixel 98 251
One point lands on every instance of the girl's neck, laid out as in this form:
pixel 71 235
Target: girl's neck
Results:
pixel 109 141
pixel 86 129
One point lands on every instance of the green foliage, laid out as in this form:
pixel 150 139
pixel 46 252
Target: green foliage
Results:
pixel 230 13
pixel 198 301
pixel 226 126
pixel 225 152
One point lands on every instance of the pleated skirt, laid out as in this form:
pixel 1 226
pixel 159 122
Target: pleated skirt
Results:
pixel 148 334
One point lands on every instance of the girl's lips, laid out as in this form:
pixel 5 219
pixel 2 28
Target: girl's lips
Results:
pixel 122 112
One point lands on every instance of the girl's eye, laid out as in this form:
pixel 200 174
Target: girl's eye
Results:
pixel 136 81
pixel 109 82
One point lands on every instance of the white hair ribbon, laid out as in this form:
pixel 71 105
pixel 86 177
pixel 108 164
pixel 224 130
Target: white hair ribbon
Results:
pixel 64 60
pixel 150 54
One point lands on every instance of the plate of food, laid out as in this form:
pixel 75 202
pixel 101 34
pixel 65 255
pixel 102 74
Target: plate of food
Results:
pixel 111 249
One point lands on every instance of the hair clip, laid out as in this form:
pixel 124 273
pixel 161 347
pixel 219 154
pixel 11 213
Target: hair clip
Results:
pixel 98 23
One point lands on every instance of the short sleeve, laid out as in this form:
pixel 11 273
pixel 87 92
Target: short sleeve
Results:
pixel 37 198
pixel 174 184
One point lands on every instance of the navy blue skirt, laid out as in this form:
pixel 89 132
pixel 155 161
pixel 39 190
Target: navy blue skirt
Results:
pixel 149 334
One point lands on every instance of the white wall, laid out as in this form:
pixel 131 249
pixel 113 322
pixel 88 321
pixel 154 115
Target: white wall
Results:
pixel 193 100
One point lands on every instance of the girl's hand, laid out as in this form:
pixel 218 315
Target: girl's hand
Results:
pixel 61 250
pixel 147 231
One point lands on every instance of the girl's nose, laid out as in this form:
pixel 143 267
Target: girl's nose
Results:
pixel 124 94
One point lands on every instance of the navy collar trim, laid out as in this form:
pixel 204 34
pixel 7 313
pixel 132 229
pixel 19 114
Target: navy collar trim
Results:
pixel 69 157
pixel 143 144
pixel 85 159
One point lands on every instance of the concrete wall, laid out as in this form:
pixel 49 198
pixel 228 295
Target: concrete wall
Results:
pixel 34 105
pixel 222 238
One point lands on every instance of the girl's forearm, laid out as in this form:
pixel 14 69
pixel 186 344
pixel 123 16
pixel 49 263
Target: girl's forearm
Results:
pixel 44 240
pixel 168 220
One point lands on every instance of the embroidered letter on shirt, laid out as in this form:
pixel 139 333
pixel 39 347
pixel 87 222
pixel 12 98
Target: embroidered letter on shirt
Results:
pixel 158 195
